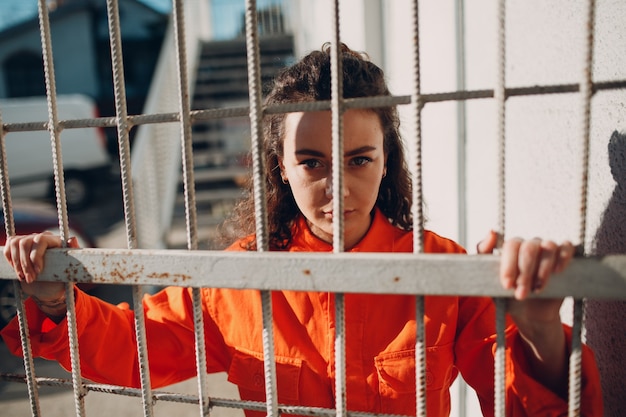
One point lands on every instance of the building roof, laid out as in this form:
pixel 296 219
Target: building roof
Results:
pixel 19 15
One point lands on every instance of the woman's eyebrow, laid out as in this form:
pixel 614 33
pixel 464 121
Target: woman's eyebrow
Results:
pixel 360 150
pixel 309 152
pixel 357 151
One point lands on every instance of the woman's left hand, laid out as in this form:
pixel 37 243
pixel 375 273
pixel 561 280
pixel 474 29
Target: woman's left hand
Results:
pixel 526 267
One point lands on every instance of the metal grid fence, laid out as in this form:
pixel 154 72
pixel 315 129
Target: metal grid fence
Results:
pixel 602 278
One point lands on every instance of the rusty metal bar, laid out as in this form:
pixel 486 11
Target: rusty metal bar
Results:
pixel 59 185
pixel 123 129
pixel 376 273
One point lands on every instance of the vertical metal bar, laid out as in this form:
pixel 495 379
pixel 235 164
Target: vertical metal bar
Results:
pixel 420 358
pixel 416 142
pixel 461 113
pixel 185 125
pixel 256 114
pixel 586 94
pixel 123 125
pixel 9 226
pixel 53 122
pixel 575 362
pixel 5 187
pixel 336 97
pixel 341 405
pixel 260 203
pixel 123 128
pixel 190 197
pixel 29 366
pixel 499 379
pixel 500 98
pixel 418 213
pixel 269 361
pixel 57 161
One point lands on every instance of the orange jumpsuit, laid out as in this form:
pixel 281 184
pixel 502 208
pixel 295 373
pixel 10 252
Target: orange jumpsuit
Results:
pixel 380 342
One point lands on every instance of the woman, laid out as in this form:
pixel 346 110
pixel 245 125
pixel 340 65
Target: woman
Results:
pixel 380 329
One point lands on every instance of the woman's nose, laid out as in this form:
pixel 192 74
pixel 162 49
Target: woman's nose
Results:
pixel 329 188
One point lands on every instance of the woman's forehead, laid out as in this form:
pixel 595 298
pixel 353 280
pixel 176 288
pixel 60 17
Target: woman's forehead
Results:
pixel 315 128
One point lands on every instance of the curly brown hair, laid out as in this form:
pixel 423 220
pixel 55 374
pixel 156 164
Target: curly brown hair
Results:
pixel 306 81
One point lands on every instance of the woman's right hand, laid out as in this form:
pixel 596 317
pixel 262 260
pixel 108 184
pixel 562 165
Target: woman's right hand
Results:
pixel 26 254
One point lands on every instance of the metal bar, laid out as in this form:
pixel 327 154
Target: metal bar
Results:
pixel 416 142
pixel 121 119
pixel 586 94
pixel 123 129
pixel 376 273
pixel 500 97
pixel 55 140
pixel 500 363
pixel 269 359
pixel 417 211
pixel 575 361
pixel 362 102
pixel 461 128
pixel 336 101
pixel 341 405
pixel 190 197
pixel 191 399
pixel 9 227
pixel 29 365
pixel 185 126
pixel 461 124
pixel 260 202
pixel 256 128
pixel 59 182
pixel 336 185
pixel 420 357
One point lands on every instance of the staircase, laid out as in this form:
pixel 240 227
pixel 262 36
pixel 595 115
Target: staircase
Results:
pixel 221 147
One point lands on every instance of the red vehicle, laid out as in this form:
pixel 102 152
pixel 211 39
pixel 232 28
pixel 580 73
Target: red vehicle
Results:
pixel 31 217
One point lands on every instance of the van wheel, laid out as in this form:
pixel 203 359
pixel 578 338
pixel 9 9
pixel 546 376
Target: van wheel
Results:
pixel 7 302
pixel 77 190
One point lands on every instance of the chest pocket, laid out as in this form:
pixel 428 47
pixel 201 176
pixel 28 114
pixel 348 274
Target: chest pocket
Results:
pixel 247 372
pixel 396 375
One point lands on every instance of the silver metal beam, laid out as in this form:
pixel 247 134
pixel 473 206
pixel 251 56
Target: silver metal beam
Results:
pixel 381 273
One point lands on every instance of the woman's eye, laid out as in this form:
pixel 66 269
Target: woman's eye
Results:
pixel 360 160
pixel 311 163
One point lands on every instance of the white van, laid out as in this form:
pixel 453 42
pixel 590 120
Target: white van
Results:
pixel 29 154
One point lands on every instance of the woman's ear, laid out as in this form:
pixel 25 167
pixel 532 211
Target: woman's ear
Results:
pixel 281 167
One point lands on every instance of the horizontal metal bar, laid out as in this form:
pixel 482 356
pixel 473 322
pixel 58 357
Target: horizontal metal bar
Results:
pixel 376 273
pixel 369 102
pixel 187 398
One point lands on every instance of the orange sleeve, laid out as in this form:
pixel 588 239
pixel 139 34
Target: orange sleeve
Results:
pixel 525 396
pixel 100 327
pixel 107 341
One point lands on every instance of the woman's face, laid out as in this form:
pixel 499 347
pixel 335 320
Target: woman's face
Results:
pixel 307 166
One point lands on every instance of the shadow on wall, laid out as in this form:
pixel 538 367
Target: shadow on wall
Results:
pixel 605 319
